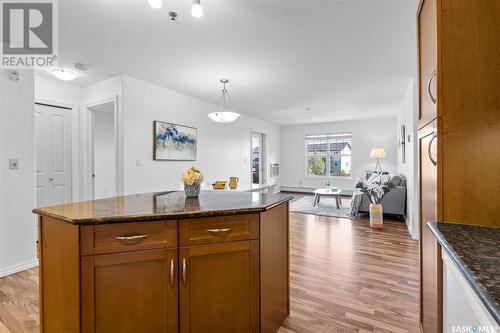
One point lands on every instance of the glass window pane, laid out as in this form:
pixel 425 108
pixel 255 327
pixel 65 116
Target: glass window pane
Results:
pixel 329 155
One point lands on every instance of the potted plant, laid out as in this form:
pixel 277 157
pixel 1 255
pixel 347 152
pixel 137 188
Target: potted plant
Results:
pixel 192 179
pixel 375 190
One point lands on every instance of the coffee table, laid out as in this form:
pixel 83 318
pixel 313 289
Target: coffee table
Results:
pixel 326 192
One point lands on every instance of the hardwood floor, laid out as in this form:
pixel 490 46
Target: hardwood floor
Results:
pixel 345 277
pixel 19 302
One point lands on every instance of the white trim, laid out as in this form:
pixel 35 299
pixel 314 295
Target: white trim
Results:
pixel 18 268
pixel 88 137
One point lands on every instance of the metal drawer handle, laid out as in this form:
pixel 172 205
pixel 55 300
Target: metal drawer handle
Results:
pixel 220 232
pixel 433 161
pixel 172 272
pixel 131 240
pixel 433 75
pixel 184 268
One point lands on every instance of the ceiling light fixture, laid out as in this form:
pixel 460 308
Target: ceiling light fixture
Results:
pixel 64 74
pixel 224 116
pixel 156 4
pixel 196 9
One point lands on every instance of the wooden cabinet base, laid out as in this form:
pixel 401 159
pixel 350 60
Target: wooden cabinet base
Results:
pixel 226 283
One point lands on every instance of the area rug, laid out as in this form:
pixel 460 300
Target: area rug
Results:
pixel 326 207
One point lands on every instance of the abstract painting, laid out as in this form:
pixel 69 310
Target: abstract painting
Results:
pixel 174 142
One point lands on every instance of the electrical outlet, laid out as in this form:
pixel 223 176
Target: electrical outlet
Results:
pixel 300 183
pixel 138 163
pixel 13 163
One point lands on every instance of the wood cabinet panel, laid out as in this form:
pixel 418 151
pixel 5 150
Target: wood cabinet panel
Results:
pixel 427 49
pixel 130 292
pixel 274 268
pixel 430 268
pixel 219 288
pixel 471 111
pixel 218 229
pixel 59 244
pixel 114 238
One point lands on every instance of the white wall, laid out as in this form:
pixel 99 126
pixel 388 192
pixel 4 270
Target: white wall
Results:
pixel 408 117
pixel 366 134
pixel 223 149
pixel 104 153
pixel 17 187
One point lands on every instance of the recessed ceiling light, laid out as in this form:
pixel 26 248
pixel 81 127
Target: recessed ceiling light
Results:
pixel 155 3
pixel 196 9
pixel 64 74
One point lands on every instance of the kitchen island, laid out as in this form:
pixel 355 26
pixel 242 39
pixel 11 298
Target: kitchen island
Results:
pixel 161 262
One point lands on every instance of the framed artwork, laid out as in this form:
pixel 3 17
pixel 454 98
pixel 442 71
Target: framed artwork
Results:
pixel 174 142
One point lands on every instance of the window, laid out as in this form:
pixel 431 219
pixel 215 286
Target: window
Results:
pixel 328 155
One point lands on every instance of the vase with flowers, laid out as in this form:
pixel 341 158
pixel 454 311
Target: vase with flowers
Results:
pixel 375 190
pixel 192 179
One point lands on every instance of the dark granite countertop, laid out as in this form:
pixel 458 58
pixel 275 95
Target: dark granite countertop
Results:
pixel 162 206
pixel 476 252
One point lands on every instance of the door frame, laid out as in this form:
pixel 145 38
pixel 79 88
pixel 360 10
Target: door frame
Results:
pixel 88 151
pixel 76 180
pixel 263 157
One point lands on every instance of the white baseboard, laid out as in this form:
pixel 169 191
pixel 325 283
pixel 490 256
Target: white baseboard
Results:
pixel 18 268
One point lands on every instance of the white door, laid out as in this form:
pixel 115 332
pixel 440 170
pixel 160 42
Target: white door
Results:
pixel 53 155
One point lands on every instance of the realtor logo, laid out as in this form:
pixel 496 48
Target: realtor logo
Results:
pixel 29 36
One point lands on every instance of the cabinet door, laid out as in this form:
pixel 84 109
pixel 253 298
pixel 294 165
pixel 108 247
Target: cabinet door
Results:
pixel 130 292
pixel 430 256
pixel 427 53
pixel 219 288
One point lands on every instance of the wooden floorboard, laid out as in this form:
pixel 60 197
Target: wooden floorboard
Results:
pixel 19 302
pixel 345 277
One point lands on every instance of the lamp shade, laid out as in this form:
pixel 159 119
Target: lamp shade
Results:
pixel 377 153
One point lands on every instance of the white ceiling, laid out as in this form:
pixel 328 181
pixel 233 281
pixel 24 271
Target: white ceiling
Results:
pixel 343 59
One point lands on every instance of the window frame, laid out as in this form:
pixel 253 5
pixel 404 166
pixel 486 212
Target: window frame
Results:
pixel 328 155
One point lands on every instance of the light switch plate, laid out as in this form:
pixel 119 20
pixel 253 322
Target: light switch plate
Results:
pixel 13 163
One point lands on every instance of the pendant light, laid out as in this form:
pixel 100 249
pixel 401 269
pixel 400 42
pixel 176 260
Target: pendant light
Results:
pixel 196 9
pixel 224 116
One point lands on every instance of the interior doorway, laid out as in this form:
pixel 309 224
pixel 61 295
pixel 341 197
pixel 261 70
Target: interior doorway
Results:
pixel 53 155
pixel 104 180
pixel 257 159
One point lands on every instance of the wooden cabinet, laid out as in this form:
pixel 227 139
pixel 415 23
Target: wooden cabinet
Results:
pixel 459 166
pixel 430 270
pixel 219 288
pixel 130 292
pixel 230 275
pixel 427 50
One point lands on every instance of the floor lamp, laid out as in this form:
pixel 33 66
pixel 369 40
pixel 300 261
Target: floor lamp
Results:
pixel 378 153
